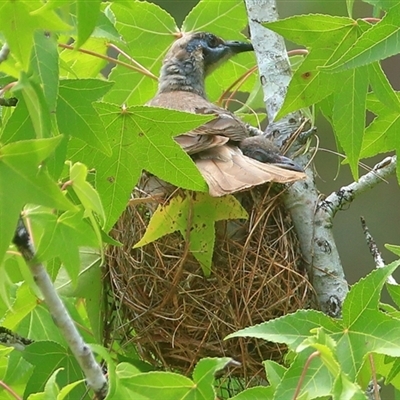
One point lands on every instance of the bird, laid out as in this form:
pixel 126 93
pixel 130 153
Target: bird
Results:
pixel 226 152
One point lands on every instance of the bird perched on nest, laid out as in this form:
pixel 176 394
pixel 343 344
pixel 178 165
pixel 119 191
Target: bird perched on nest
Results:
pixel 228 157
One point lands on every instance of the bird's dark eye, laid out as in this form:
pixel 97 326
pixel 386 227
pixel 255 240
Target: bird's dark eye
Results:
pixel 212 41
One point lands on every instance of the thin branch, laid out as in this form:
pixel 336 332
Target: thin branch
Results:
pixel 82 352
pixel 109 59
pixel 376 254
pixel 140 67
pixel 4 52
pixel 11 339
pixel 9 390
pixel 345 195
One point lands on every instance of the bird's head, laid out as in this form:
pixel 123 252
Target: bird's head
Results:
pixel 262 149
pixel 192 57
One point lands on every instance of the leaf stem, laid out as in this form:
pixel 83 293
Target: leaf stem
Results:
pixel 110 59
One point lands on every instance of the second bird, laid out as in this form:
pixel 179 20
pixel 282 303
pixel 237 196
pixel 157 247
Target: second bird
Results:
pixel 227 157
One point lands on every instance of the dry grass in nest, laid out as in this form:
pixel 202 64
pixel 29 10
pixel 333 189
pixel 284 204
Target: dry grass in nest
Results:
pixel 179 316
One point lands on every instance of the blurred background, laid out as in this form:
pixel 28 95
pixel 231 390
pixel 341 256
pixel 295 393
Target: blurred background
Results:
pixel 379 206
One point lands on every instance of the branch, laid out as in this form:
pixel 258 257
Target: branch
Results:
pixel 301 199
pixel 4 52
pixel 82 352
pixel 345 195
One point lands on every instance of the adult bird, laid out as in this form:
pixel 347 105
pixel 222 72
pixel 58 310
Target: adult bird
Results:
pixel 227 156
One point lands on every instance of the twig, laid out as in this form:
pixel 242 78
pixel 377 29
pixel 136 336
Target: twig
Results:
pixel 373 248
pixel 109 59
pixel 9 390
pixel 11 339
pixel 4 52
pixel 10 102
pixel 140 67
pixel 82 352
pixel 345 195
pixel 373 389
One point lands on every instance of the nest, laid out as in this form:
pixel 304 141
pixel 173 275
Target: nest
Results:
pixel 176 316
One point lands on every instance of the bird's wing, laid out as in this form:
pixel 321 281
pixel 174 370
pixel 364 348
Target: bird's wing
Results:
pixel 214 133
pixel 194 143
pixel 226 170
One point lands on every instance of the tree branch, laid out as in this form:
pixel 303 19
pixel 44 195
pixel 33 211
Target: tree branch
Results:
pixel 301 199
pixel 82 352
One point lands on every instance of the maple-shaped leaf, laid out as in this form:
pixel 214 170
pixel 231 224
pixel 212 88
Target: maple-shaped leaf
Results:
pixel 76 115
pixel 366 328
pixel 377 43
pixel 47 357
pixel 194 216
pixel 23 181
pixel 328 38
pixel 140 138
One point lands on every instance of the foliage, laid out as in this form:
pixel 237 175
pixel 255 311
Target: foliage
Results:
pixel 77 143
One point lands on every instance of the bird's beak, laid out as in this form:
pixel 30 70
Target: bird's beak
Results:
pixel 286 163
pixel 237 47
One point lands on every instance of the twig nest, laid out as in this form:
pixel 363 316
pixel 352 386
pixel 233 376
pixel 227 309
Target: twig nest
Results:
pixel 176 316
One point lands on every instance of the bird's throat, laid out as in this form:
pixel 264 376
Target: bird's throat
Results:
pixel 186 75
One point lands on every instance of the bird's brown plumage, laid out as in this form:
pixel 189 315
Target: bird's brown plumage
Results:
pixel 215 145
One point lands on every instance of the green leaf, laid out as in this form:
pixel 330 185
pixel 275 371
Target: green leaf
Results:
pixel 44 65
pixel 349 5
pixel 328 39
pixel 82 65
pixel 349 115
pixel 89 287
pixel 291 329
pixel 19 126
pixel 379 42
pixel 47 357
pixel 311 29
pixel 19 22
pixel 344 388
pixel 51 389
pixel 136 142
pixel 63 236
pixel 87 195
pixel 382 88
pixel 194 217
pixel 76 115
pixel 365 328
pixel 223 18
pixel 204 375
pixel 37 107
pixel 255 393
pixel 21 174
pixel 147 47
pixel 87 15
pixel 316 379
pixel 274 372
pixel 161 385
pixel 381 134
pixel 23 304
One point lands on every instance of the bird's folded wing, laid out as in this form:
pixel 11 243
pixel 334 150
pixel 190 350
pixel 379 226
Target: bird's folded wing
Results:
pixel 226 171
pixel 224 123
pixel 193 143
